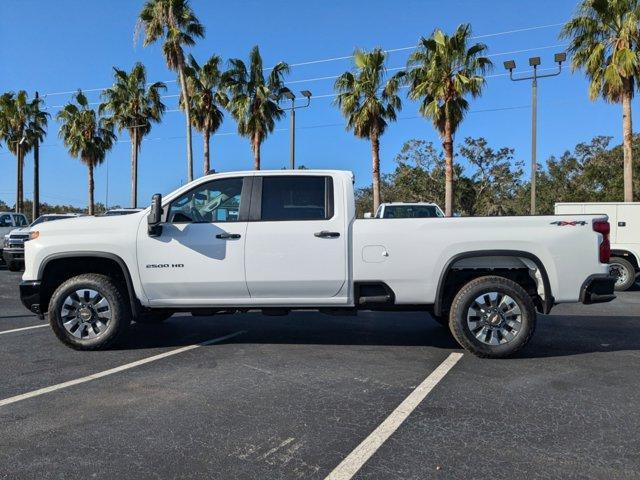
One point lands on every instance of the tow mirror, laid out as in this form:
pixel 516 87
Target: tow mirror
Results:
pixel 367 215
pixel 155 216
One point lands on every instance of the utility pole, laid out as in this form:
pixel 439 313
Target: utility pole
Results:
pixel 534 62
pixel 292 129
pixel 35 207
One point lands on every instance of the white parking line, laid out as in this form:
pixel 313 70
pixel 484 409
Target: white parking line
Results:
pixel 111 371
pixel 363 452
pixel 24 328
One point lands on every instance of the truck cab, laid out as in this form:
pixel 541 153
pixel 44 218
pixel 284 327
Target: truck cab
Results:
pixel 8 222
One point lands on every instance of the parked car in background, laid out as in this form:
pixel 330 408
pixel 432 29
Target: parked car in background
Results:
pixel 286 240
pixel 13 245
pixel 120 211
pixel 407 210
pixel 9 221
pixel 625 236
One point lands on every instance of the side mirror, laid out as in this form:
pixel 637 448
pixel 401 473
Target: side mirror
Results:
pixel 368 215
pixel 155 216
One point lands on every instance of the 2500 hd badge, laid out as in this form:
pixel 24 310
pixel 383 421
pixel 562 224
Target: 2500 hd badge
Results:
pixel 165 265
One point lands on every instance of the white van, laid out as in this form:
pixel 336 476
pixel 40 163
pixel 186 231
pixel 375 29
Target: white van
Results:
pixel 624 219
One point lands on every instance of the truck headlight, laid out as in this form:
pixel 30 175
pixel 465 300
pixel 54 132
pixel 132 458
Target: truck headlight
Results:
pixel 34 234
pixel 5 242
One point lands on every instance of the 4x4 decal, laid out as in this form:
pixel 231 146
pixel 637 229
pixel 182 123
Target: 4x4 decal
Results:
pixel 564 223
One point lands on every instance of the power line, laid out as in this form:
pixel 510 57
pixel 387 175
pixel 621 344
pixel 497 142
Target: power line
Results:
pixel 333 59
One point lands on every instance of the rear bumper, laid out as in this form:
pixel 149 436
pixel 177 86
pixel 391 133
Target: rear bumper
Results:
pixel 598 289
pixel 30 296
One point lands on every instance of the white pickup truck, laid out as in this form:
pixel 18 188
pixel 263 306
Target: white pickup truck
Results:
pixel 283 240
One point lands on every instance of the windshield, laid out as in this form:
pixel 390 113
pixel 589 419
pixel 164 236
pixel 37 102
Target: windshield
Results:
pixel 412 211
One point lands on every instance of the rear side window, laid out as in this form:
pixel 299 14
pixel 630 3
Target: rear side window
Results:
pixel 297 198
pixel 5 220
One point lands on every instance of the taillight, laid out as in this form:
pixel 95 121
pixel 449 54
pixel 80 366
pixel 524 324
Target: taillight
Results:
pixel 603 227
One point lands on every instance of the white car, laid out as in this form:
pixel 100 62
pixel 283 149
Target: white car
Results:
pixel 283 240
pixel 407 210
pixel 625 236
pixel 9 221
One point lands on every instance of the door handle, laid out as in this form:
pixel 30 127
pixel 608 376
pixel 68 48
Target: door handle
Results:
pixel 327 234
pixel 228 236
pixel 622 224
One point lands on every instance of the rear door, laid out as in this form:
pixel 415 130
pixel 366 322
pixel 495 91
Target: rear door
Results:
pixel 296 239
pixel 628 223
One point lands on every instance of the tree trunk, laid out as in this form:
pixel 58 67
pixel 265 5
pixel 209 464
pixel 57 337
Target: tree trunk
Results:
pixel 255 144
pixel 18 206
pixel 91 187
pixel 187 112
pixel 375 169
pixel 133 134
pixel 448 169
pixel 207 163
pixel 627 137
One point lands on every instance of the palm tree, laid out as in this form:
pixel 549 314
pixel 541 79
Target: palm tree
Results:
pixel 133 106
pixel 22 124
pixel 86 134
pixel 253 101
pixel 368 102
pixel 174 22
pixel 604 40
pixel 207 95
pixel 441 72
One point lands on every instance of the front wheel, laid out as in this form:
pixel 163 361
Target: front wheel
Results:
pixel 492 317
pixel 623 271
pixel 89 312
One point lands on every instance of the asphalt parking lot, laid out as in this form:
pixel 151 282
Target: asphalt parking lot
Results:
pixel 292 397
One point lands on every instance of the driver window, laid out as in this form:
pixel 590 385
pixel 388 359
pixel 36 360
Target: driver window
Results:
pixel 212 202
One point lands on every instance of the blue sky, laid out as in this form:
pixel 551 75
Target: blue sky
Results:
pixel 62 45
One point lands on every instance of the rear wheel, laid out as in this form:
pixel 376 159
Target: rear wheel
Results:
pixel 89 312
pixel 492 317
pixel 624 272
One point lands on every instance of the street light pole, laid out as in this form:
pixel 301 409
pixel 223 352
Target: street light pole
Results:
pixel 35 207
pixel 292 136
pixel 534 62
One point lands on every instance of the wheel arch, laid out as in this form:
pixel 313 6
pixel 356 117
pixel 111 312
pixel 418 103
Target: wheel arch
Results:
pixel 69 264
pixel 627 255
pixel 440 304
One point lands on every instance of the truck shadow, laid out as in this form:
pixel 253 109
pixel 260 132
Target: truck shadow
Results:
pixel 555 336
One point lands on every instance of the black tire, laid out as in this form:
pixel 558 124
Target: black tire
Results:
pixel 464 300
pixel 107 289
pixel 617 266
pixel 13 266
pixel 153 317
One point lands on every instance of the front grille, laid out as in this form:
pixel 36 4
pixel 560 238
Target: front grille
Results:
pixel 19 236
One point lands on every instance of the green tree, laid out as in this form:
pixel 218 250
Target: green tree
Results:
pixel 22 124
pixel 133 105
pixel 175 23
pixel 87 135
pixel 604 40
pixel 207 97
pixel 494 181
pixel 368 103
pixel 441 72
pixel 253 99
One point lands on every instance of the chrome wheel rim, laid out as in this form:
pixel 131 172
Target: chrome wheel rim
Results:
pixel 85 314
pixel 494 318
pixel 620 272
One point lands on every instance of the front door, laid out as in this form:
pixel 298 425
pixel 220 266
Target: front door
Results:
pixel 296 241
pixel 199 257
